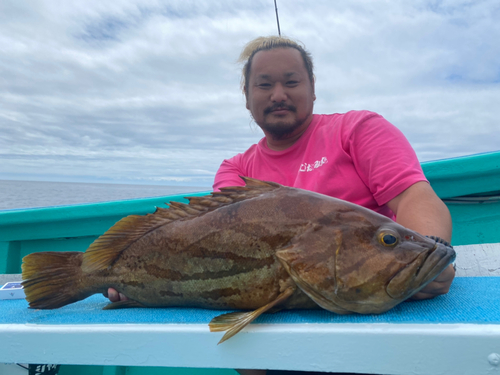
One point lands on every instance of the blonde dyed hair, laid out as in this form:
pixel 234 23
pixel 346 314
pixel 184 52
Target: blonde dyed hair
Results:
pixel 266 43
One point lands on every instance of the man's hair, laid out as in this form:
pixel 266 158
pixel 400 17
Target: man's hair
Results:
pixel 265 43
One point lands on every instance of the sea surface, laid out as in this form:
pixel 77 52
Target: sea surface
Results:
pixel 31 194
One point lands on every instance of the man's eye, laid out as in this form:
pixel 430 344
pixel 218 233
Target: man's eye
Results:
pixel 264 85
pixel 292 83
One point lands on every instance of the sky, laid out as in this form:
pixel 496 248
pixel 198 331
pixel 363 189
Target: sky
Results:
pixel 148 92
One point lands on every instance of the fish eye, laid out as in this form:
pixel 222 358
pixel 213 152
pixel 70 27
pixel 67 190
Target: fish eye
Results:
pixel 387 239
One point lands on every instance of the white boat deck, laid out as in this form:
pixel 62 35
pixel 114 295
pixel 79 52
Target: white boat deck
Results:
pixel 373 346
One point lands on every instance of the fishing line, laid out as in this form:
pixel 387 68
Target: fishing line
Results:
pixel 277 18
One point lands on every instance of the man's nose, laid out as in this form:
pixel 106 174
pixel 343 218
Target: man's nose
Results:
pixel 278 93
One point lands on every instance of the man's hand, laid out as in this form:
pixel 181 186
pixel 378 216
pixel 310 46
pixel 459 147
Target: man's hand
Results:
pixel 419 208
pixel 440 285
pixel 114 296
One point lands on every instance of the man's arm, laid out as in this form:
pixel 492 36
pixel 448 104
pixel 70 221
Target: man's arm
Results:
pixel 419 208
pixel 228 174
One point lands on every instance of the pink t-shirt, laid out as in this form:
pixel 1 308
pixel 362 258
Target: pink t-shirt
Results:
pixel 357 156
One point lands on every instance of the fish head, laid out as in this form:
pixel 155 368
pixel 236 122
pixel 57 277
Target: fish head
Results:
pixel 386 265
pixel 363 263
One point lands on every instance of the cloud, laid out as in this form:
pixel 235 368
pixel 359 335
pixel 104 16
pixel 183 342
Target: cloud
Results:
pixel 147 91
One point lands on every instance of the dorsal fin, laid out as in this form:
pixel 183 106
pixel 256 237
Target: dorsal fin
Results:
pixel 104 251
pixel 253 188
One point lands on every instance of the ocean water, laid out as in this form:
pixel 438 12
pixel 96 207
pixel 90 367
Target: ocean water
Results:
pixel 31 194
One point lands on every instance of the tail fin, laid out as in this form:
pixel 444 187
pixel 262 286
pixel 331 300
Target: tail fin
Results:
pixel 53 279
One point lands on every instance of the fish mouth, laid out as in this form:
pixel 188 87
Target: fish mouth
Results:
pixel 417 274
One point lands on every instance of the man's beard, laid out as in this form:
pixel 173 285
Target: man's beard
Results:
pixel 281 130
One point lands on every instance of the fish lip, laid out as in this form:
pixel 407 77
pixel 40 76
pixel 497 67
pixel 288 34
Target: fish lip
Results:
pixel 429 252
pixel 447 257
pixel 428 264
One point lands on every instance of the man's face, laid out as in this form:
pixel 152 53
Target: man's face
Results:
pixel 280 95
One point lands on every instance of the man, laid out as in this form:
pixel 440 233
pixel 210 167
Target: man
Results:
pixel 372 161
pixel 357 156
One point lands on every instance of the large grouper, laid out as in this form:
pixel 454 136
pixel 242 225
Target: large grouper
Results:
pixel 260 247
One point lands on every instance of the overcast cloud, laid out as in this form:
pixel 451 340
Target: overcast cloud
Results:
pixel 148 91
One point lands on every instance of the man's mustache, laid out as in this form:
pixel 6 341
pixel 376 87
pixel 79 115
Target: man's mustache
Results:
pixel 278 106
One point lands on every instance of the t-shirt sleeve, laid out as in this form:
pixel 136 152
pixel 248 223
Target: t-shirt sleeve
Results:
pixel 228 174
pixel 383 158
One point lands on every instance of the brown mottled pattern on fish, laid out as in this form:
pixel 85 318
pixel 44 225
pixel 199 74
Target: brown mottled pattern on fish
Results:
pixel 261 247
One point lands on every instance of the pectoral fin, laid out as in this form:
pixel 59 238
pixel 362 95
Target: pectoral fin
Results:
pixel 235 322
pixel 309 289
pixel 310 261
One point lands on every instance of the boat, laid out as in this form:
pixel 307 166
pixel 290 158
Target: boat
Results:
pixel 470 187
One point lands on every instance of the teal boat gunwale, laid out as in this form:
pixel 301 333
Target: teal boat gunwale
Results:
pixel 90 210
pixel 77 220
pixel 466 175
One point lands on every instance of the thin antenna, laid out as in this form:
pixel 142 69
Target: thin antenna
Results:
pixel 277 18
